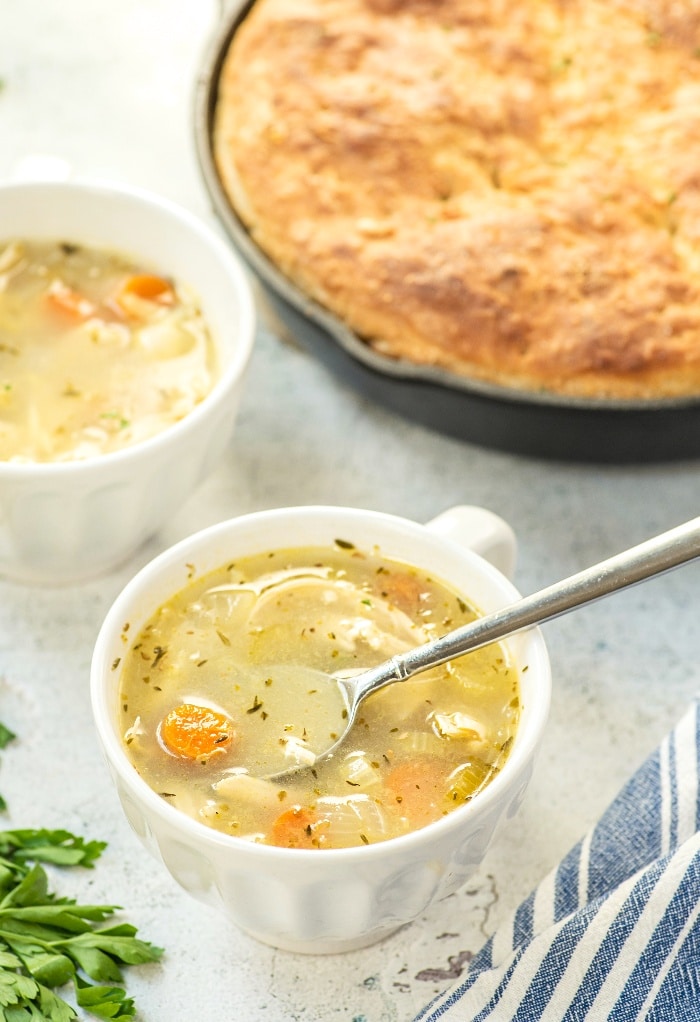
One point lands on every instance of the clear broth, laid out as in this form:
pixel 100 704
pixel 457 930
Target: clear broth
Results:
pixel 96 352
pixel 246 642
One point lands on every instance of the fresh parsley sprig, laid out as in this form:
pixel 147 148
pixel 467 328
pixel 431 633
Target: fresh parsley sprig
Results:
pixel 47 942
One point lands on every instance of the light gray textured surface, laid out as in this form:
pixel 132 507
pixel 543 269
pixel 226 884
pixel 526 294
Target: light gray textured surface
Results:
pixel 104 90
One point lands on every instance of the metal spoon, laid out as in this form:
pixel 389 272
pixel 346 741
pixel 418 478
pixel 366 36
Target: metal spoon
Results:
pixel 653 557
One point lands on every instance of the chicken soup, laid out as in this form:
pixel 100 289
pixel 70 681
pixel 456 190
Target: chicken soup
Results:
pixel 233 680
pixel 96 352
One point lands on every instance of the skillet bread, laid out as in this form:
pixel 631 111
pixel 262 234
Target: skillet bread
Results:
pixel 509 192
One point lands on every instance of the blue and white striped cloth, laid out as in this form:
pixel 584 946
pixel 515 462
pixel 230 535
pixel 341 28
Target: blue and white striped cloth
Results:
pixel 614 932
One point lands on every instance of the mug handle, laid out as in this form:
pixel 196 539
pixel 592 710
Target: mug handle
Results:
pixel 481 531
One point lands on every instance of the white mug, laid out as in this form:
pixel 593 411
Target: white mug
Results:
pixel 63 522
pixel 329 900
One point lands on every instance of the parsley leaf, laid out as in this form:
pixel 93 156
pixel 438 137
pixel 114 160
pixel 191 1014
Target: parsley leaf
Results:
pixel 6 735
pixel 59 847
pixel 48 941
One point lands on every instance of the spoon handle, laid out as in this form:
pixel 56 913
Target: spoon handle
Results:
pixel 653 557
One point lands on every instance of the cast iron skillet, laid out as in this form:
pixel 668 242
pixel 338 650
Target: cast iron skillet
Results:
pixel 536 424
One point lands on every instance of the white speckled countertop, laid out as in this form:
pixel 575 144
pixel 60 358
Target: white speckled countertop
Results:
pixel 98 89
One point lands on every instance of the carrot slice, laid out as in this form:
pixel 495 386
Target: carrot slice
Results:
pixel 66 304
pixel 150 287
pixel 417 789
pixel 402 589
pixel 294 829
pixel 196 732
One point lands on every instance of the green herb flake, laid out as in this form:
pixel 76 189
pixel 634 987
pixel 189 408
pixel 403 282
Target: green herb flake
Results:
pixel 116 417
pixel 257 704
pixel 344 544
pixel 158 653
pixel 562 65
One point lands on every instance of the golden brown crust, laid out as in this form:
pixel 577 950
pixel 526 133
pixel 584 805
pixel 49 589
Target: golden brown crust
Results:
pixel 511 192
